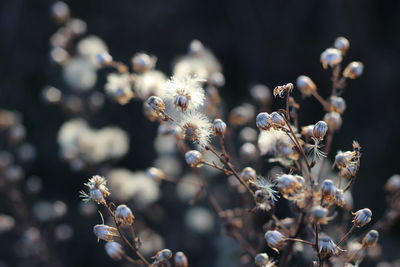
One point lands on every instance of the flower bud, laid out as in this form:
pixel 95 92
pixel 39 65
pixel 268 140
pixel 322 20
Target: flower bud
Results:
pixel 264 121
pixel 261 94
pixel 105 232
pixel 181 101
pixel 261 260
pixel 370 239
pixel 326 246
pixel 180 259
pixel 318 215
pixel 142 62
pixel 248 174
pixel 156 103
pixel 124 215
pixel 277 119
pixel 337 104
pixel 219 127
pixel 342 44
pixel 114 250
pixel 194 158
pixel 155 173
pixel 393 184
pixel 305 85
pixel 275 239
pixel 331 57
pixel 334 120
pixel 362 217
pixel 328 190
pixel 162 255
pixel 353 70
pixel 320 129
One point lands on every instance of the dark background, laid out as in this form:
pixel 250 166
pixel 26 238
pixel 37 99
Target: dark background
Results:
pixel 271 42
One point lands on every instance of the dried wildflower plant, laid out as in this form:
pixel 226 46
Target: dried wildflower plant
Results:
pixel 192 121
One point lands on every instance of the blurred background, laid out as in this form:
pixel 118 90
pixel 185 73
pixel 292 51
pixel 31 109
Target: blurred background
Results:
pixel 269 42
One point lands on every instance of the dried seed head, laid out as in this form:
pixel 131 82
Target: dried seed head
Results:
pixel 98 190
pixel 362 217
pixel 342 44
pixel 114 250
pixel 196 128
pixel 261 260
pixel 186 93
pixel 142 62
pixel 353 70
pixel 331 57
pixel 155 173
pixel 124 215
pixel 340 198
pixel 105 232
pixel 264 121
pixel 393 184
pixel 337 104
pixel 180 259
pixel 156 103
pixel 104 58
pixel 319 214
pixel 370 239
pixel 283 90
pixel 289 184
pixel 342 159
pixel 248 174
pixel 349 171
pixel 219 127
pixel 326 246
pixel 277 120
pixel 328 190
pixel 162 255
pixel 305 85
pixel 261 94
pixel 194 158
pixel 275 239
pixel 334 120
pixel 320 129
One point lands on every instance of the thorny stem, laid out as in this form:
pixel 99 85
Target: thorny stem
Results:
pixel 126 241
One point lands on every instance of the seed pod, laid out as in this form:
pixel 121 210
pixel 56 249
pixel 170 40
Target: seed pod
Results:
pixel 142 62
pixel 219 127
pixel 362 217
pixel 320 129
pixel 340 198
pixel 342 44
pixel 326 246
pixel 318 215
pixel 105 232
pixel 277 119
pixel 337 104
pixel 353 70
pixel 194 158
pixel 334 120
pixel 328 190
pixel 155 173
pixel 124 215
pixel 180 259
pixel 261 259
pixel 305 85
pixel 331 57
pixel 289 184
pixel 114 250
pixel 248 174
pixel 156 103
pixel 162 255
pixel 275 239
pixel 264 121
pixel 370 239
pixel 307 131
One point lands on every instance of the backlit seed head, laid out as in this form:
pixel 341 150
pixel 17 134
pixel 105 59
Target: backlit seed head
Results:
pixel 319 214
pixel 275 239
pixel 219 127
pixel 362 217
pixel 261 94
pixel 114 250
pixel 98 190
pixel 105 232
pixel 331 57
pixel 124 215
pixel 334 120
pixel 248 174
pixel 155 173
pixel 326 246
pixel 353 70
pixel 156 103
pixel 320 129
pixel 180 259
pixel 194 158
pixel 393 184
pixel 342 44
pixel 289 184
pixel 340 198
pixel 142 62
pixel 261 259
pixel 162 255
pixel 337 104
pixel 277 119
pixel 264 121
pixel 328 190
pixel 370 239
pixel 305 85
